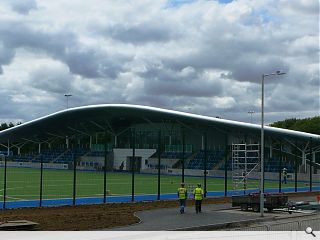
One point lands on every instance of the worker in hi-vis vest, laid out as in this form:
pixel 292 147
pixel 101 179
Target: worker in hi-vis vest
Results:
pixel 182 195
pixel 198 196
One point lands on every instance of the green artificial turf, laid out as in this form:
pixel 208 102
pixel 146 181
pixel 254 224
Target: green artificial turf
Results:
pixel 24 184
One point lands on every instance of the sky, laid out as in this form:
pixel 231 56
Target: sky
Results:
pixel 199 56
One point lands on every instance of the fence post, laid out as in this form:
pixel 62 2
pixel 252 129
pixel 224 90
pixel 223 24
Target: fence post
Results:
pixel 41 180
pixel 205 164
pixel 295 173
pixel 280 167
pixel 226 166
pixel 133 136
pixel 310 164
pixel 5 182
pixel 105 171
pixel 159 162
pixel 183 152
pixel 74 178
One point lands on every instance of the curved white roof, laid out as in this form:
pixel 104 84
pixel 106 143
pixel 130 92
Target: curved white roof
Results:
pixel 61 120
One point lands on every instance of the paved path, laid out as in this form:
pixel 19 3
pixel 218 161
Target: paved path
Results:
pixel 212 215
pixel 171 219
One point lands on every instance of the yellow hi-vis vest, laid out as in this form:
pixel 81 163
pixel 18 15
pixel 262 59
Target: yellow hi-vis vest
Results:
pixel 182 193
pixel 198 193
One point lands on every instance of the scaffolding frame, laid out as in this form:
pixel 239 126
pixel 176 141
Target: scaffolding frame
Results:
pixel 245 161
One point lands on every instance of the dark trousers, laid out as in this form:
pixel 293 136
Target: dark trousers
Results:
pixel 182 204
pixel 284 180
pixel 198 206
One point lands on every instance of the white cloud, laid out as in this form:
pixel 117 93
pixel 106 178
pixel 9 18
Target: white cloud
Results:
pixel 201 56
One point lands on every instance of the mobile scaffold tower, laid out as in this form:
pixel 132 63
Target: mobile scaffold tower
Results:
pixel 245 162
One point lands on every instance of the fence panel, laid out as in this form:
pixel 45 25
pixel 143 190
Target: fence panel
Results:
pixel 253 228
pixel 23 184
pixel 288 226
pixel 313 223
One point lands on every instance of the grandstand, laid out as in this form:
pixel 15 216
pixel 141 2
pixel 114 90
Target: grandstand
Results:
pixel 158 143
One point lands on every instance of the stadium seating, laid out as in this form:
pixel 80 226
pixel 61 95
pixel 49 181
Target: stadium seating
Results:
pixel 57 155
pixel 213 158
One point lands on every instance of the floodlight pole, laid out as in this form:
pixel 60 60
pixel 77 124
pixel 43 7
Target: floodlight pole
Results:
pixel 251 112
pixel 67 95
pixel 262 140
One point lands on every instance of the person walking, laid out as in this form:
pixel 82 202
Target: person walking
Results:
pixel 285 175
pixel 182 195
pixel 198 196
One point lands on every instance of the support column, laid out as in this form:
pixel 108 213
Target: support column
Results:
pixel 183 153
pixel 90 142
pixel 8 149
pixel 295 173
pixel 74 178
pixel 304 160
pixel 67 142
pixel 105 171
pixel 280 167
pixel 202 142
pixel 205 163
pixel 133 143
pixel 39 148
pixel 226 166
pixel 41 181
pixel 19 150
pixel 159 162
pixel 310 165
pixel 115 141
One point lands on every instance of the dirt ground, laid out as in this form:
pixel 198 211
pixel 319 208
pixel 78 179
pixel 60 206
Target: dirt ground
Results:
pixel 90 217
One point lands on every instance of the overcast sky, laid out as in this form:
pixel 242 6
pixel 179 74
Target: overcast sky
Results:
pixel 205 57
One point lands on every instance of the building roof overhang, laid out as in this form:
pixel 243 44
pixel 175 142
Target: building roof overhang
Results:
pixel 114 117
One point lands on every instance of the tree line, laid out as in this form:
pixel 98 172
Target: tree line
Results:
pixel 4 125
pixel 309 125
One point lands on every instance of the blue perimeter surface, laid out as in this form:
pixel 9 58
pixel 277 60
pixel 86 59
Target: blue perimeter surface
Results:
pixel 137 198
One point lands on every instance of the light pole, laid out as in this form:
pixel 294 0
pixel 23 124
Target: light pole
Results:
pixel 251 112
pixel 262 139
pixel 67 95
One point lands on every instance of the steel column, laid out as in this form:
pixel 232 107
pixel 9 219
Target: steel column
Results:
pixel 159 162
pixel 280 167
pixel 105 172
pixel 295 173
pixel 41 180
pixel 183 153
pixel 205 164
pixel 310 166
pixel 74 179
pixel 226 166
pixel 133 136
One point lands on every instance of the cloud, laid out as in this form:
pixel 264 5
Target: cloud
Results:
pixel 205 57
pixel 22 6
pixel 6 56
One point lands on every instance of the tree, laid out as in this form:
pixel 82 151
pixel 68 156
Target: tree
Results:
pixel 309 125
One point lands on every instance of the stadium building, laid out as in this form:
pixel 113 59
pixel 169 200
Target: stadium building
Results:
pixel 100 152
